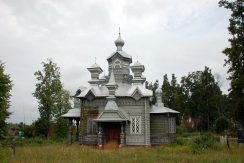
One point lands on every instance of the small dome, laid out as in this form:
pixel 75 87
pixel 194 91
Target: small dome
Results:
pixel 137 64
pixel 158 90
pixel 119 43
pixel 95 65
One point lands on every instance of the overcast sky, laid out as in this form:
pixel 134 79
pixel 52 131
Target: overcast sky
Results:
pixel 167 36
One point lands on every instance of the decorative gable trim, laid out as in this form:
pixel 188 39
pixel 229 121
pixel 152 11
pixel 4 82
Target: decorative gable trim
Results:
pixel 90 95
pixel 137 95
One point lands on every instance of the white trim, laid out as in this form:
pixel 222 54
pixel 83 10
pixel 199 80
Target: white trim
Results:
pixel 135 125
pixel 172 128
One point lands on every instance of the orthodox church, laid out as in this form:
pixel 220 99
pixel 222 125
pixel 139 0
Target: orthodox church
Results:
pixel 115 108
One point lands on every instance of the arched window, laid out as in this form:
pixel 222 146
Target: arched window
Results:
pixel 117 64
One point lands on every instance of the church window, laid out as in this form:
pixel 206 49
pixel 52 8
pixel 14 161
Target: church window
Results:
pixel 117 64
pixel 91 126
pixel 172 125
pixel 135 125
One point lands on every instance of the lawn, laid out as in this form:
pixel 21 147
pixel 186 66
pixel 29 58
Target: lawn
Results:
pixel 168 153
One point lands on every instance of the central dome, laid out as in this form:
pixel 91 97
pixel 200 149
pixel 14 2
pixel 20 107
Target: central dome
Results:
pixel 119 43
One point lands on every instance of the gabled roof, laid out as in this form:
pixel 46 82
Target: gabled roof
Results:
pixel 123 90
pixel 122 53
pixel 112 116
pixel 141 89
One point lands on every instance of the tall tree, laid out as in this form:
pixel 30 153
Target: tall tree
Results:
pixel 203 96
pixel 166 91
pixel 173 95
pixel 53 100
pixel 5 88
pixel 235 57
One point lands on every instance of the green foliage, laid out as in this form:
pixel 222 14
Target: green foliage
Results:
pixel 40 127
pixel 178 141
pixel 3 155
pixel 28 131
pixel 182 131
pixel 53 100
pixel 62 128
pixel 166 153
pixel 202 143
pixel 198 96
pixel 221 124
pixel 202 98
pixel 5 88
pixel 173 96
pixel 235 57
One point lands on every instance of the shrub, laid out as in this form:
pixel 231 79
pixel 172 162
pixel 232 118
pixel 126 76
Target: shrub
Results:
pixel 221 124
pixel 181 129
pixel 178 141
pixel 62 128
pixel 203 142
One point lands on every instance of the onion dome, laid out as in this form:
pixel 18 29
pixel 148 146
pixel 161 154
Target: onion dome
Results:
pixel 158 91
pixel 119 43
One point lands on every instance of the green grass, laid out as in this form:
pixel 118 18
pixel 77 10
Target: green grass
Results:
pixel 168 153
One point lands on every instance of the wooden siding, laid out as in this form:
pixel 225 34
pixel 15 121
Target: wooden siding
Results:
pixel 158 128
pixel 131 106
pixel 90 140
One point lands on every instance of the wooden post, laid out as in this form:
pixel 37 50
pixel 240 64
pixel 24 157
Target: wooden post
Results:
pixel 100 136
pixel 81 120
pixel 122 136
pixel 13 146
pixel 70 131
pixel 77 130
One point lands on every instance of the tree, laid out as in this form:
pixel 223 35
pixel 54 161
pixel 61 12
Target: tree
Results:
pixel 173 96
pixel 53 100
pixel 235 57
pixel 5 88
pixel 202 97
pixel 166 91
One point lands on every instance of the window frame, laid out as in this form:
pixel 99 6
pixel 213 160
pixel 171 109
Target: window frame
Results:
pixel 172 125
pixel 92 127
pixel 135 122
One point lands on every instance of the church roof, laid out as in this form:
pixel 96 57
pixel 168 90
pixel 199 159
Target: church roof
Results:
pixel 122 53
pixel 159 106
pixel 119 44
pixel 112 116
pixel 72 113
pixel 123 90
pixel 162 109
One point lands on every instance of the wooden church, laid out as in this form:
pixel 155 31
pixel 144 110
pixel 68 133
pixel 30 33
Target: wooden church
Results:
pixel 115 108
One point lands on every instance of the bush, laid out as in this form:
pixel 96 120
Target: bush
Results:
pixel 41 128
pixel 221 124
pixel 180 129
pixel 203 142
pixel 178 141
pixel 3 155
pixel 62 128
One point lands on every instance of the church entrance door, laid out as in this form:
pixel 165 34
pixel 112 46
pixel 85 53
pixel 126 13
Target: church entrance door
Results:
pixel 112 132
